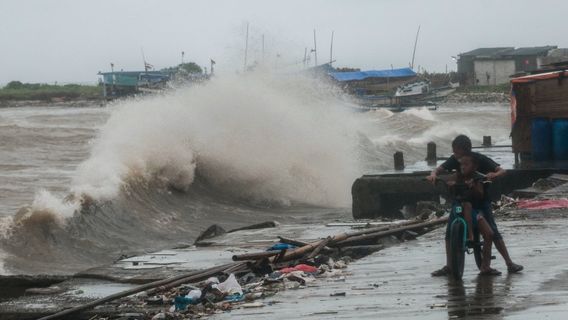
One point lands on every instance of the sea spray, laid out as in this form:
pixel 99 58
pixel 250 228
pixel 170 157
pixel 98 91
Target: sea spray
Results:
pixel 258 136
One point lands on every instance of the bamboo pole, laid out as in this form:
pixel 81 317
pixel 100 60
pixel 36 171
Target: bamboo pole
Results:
pixel 153 285
pixel 256 255
pixel 294 254
pixel 375 235
pixel 319 248
pixel 299 243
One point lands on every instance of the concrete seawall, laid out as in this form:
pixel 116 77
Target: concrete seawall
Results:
pixel 384 195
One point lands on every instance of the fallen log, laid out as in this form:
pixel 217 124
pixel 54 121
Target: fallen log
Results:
pixel 375 235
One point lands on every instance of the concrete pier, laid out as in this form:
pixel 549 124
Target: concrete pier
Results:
pixel 384 195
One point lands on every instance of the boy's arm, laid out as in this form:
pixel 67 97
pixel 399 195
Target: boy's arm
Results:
pixel 434 174
pixel 499 172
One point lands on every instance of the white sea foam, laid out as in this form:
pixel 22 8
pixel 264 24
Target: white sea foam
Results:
pixel 268 138
pixel 45 201
pixel 422 113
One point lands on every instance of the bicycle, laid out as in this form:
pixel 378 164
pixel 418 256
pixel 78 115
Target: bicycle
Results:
pixel 458 229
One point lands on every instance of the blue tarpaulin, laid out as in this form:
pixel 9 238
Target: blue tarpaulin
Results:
pixel 362 75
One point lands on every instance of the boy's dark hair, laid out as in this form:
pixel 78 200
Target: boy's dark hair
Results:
pixel 462 142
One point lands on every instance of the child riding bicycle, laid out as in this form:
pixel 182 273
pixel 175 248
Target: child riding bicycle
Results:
pixel 462 145
pixel 468 191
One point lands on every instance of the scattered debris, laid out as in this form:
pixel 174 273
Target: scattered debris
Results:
pixel 260 275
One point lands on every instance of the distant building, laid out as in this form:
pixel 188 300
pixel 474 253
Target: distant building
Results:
pixel 122 83
pixel 492 66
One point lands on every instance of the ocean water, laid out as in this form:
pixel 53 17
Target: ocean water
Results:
pixel 80 187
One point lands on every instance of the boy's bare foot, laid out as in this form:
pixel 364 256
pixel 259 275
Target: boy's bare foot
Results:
pixel 444 271
pixel 514 268
pixel 490 272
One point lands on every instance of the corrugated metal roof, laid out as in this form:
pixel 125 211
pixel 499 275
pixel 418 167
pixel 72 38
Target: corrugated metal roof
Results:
pixel 541 76
pixel 502 52
pixel 487 52
pixel 530 51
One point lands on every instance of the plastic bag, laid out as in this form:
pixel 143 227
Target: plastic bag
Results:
pixel 230 286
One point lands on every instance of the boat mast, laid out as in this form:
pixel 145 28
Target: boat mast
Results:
pixel 315 48
pixel 414 51
pixel 246 48
pixel 262 48
pixel 144 59
pixel 331 50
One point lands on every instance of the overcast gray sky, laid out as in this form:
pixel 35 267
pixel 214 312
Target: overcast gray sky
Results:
pixel 71 40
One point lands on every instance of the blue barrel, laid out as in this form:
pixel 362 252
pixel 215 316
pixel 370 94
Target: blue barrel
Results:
pixel 560 139
pixel 541 139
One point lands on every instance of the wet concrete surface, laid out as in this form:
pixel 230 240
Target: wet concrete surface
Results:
pixel 396 282
pixel 392 283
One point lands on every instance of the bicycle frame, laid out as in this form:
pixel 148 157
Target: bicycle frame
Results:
pixel 457 212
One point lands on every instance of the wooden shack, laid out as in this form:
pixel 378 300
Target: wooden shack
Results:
pixel 542 95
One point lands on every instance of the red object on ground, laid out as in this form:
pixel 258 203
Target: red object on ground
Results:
pixel 542 204
pixel 301 267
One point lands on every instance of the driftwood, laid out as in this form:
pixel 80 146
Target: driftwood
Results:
pixel 262 225
pixel 211 232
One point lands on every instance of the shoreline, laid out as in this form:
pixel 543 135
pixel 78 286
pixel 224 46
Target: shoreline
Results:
pixel 78 103
pixel 455 97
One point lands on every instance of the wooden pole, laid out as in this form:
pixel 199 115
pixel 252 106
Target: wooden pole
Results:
pixel 398 160
pixel 431 157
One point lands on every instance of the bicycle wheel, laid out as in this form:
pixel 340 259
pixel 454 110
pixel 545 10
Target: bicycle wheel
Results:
pixel 477 249
pixel 457 248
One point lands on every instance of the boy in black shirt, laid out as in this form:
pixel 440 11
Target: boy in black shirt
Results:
pixel 461 145
pixel 469 191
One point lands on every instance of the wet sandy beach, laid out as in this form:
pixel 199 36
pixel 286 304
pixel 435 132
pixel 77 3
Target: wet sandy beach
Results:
pixel 396 284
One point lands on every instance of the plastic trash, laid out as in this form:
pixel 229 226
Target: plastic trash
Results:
pixel 181 302
pixel 234 297
pixel 194 294
pixel 212 280
pixel 230 286
pixel 301 267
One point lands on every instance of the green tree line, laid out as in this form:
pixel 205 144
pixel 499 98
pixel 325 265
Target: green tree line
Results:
pixel 17 90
